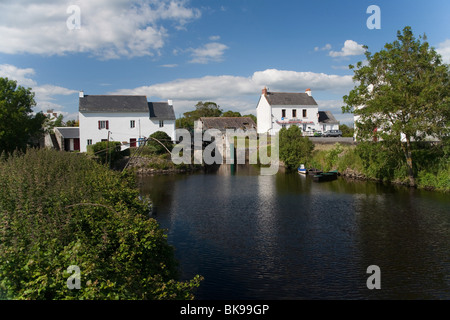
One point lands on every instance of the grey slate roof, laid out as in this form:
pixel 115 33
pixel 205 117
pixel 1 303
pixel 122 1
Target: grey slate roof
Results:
pixel 125 103
pixel 161 111
pixel 112 103
pixel 290 99
pixel 69 132
pixel 223 123
pixel 327 117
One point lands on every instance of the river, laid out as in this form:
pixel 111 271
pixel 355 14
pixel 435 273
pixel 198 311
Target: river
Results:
pixel 287 237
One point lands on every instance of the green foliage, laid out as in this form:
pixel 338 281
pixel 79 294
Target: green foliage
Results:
pixel 251 116
pixel 346 130
pixel 404 90
pixel 231 114
pixel 202 109
pixel 294 148
pixel 60 209
pixel 107 152
pixel 19 128
pixel 165 143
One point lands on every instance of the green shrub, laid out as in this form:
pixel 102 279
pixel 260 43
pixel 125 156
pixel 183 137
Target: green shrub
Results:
pixel 107 152
pixel 60 209
pixel 161 146
pixel 294 148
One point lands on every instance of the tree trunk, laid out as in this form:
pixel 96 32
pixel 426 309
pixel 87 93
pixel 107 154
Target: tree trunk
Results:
pixel 407 150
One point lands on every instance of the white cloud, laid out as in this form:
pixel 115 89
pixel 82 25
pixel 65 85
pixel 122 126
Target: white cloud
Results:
pixel 210 52
pixel 44 94
pixel 109 29
pixel 444 50
pixel 214 38
pixel 324 48
pixel 351 48
pixel 240 93
pixel 173 65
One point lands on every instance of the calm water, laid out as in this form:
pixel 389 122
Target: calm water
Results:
pixel 287 237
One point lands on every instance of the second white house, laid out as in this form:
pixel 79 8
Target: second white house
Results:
pixel 125 118
pixel 276 110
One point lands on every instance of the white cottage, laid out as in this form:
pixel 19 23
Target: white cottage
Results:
pixel 124 118
pixel 276 110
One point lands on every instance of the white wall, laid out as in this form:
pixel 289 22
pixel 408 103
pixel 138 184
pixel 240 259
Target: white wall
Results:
pixel 311 116
pixel 119 127
pixel 263 115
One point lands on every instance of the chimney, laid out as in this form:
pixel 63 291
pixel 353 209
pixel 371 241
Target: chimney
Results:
pixel 308 92
pixel 264 91
pixel 81 94
pixel 170 102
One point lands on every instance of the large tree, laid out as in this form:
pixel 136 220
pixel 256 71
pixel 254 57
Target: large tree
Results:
pixel 402 94
pixel 18 126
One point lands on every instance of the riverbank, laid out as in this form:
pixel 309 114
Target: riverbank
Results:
pixel 154 164
pixel 370 162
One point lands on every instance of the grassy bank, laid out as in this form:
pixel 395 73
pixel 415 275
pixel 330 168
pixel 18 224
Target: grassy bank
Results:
pixel 386 163
pixel 59 209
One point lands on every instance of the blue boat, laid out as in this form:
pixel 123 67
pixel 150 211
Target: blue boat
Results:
pixel 302 169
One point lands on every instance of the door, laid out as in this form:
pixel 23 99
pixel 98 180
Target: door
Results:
pixel 76 144
pixel 132 143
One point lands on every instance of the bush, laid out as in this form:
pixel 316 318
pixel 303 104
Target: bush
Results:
pixel 60 209
pixel 294 148
pixel 157 147
pixel 106 151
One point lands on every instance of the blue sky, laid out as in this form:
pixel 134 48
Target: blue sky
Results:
pixel 224 51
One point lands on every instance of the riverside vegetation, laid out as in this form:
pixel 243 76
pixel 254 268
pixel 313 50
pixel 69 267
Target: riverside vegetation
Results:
pixel 59 209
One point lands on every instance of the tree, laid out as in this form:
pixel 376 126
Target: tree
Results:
pixel 294 148
pixel 202 109
pixel 18 126
pixel 346 130
pixel 402 95
pixel 230 113
pixel 73 123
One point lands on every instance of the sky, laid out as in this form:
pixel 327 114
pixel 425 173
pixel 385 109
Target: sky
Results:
pixel 225 51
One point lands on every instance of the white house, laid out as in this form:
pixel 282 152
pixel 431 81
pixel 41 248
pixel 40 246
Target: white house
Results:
pixel 124 118
pixel 276 110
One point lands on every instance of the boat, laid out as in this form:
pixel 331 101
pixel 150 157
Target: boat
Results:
pixel 314 171
pixel 326 176
pixel 302 169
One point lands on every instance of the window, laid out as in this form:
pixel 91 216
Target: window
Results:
pixel 132 123
pixel 161 123
pixel 103 124
pixel 294 113
pixel 89 142
pixel 283 113
pixel 304 113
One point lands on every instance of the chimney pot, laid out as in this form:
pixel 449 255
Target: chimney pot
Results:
pixel 170 102
pixel 81 94
pixel 308 92
pixel 264 91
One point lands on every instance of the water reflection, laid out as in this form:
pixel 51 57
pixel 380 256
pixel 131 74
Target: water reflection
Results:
pixel 286 237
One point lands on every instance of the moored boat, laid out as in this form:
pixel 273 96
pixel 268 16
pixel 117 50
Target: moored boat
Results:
pixel 314 171
pixel 326 176
pixel 302 169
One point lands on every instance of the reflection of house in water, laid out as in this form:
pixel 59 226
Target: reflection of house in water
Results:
pixel 228 128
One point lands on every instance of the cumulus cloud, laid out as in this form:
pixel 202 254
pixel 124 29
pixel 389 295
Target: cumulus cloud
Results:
pixel 240 93
pixel 351 48
pixel 444 50
pixel 210 52
pixel 108 29
pixel 44 94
